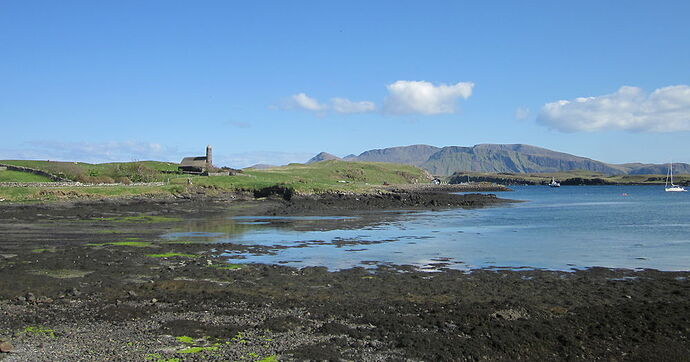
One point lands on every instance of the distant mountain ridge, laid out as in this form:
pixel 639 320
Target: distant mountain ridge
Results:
pixel 514 158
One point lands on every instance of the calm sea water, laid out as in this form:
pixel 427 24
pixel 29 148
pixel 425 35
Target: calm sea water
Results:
pixel 560 229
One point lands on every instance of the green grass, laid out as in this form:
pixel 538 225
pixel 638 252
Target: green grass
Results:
pixel 17 176
pixel 320 177
pixel 302 178
pixel 141 171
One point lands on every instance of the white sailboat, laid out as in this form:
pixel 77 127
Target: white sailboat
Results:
pixel 554 183
pixel 672 188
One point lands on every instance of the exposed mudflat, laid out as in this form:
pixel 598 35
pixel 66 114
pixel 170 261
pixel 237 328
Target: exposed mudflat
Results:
pixel 94 281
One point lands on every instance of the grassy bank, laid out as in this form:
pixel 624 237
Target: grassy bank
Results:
pixel 141 171
pixel 16 176
pixel 300 178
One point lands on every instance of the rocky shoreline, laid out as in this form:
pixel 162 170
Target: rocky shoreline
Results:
pixel 94 280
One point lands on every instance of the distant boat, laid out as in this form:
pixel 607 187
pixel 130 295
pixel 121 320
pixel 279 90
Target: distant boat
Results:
pixel 672 188
pixel 554 183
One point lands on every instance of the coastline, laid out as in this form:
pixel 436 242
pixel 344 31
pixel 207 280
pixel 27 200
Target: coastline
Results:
pixel 99 269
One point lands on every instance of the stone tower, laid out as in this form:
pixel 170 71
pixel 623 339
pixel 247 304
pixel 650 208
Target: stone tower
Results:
pixel 209 156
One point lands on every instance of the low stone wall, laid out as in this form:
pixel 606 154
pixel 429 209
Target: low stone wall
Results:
pixel 35 172
pixel 74 184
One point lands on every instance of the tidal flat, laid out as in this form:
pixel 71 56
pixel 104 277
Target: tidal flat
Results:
pixel 97 281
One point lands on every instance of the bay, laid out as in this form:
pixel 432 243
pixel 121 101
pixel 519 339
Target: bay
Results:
pixel 563 228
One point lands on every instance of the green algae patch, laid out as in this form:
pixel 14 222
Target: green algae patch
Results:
pixel 157 357
pixel 60 273
pixel 197 349
pixel 185 339
pixel 179 242
pixel 138 244
pixel 171 255
pixel 39 331
pixel 273 358
pixel 227 266
pixel 112 231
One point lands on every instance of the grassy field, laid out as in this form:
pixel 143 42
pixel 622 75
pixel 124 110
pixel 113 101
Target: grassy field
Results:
pixel 302 178
pixel 16 176
pixel 320 176
pixel 142 171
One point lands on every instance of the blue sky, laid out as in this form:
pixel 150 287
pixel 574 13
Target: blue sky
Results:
pixel 278 81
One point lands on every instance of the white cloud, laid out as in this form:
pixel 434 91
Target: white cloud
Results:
pixel 344 105
pixel 522 113
pixel 305 102
pixel 338 105
pixel 630 108
pixel 421 97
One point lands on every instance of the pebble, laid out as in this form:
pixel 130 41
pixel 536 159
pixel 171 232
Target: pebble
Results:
pixel 6 347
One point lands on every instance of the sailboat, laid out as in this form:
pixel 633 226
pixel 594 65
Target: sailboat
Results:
pixel 554 183
pixel 672 188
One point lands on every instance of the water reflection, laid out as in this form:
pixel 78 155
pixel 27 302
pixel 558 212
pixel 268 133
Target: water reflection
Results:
pixel 573 227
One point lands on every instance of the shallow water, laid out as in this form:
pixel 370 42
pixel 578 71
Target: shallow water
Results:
pixel 559 229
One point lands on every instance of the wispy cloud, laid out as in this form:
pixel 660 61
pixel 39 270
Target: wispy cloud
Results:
pixel 239 124
pixel 522 113
pixel 421 97
pixel 630 108
pixel 93 151
pixel 345 106
pixel 303 101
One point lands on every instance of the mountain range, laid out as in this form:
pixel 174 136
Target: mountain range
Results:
pixel 513 158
